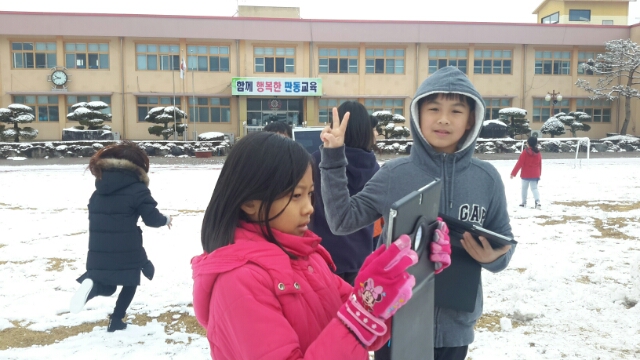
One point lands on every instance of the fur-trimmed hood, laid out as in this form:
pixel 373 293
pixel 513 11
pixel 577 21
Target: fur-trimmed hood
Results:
pixel 119 173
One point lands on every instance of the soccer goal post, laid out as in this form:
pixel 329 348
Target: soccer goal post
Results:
pixel 579 142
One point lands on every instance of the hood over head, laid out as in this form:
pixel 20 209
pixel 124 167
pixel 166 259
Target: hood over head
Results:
pixel 119 173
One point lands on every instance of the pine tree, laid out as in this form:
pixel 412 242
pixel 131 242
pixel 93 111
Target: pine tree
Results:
pixel 18 114
pixel 89 115
pixel 165 115
pixel 515 120
pixel 387 125
pixel 553 126
pixel 572 121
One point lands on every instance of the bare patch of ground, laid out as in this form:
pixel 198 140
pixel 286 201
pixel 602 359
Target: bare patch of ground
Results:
pixel 491 321
pixel 609 228
pixel 604 206
pixel 16 262
pixel 14 207
pixel 584 280
pixel 57 264
pixel 20 336
pixel 561 220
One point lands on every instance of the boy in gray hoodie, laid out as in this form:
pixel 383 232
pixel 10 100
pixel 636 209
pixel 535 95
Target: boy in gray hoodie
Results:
pixel 446 117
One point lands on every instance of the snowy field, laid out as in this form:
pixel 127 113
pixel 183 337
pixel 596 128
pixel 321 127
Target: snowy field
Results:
pixel 570 292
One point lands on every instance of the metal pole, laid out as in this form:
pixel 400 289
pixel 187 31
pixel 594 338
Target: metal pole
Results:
pixel 195 109
pixel 173 79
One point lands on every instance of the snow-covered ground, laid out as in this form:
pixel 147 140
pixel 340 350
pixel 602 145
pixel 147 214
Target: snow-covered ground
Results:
pixel 571 290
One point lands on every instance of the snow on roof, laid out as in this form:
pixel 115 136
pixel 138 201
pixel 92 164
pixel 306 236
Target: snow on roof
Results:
pixel 496 122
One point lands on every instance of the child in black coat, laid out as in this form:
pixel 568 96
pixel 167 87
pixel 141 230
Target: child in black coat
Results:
pixel 116 255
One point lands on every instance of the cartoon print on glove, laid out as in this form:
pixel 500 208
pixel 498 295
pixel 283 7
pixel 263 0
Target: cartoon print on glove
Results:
pixel 371 294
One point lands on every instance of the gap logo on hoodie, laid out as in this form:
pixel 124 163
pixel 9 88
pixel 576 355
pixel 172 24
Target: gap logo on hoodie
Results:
pixel 472 213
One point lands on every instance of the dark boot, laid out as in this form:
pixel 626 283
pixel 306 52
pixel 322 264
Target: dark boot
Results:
pixel 116 324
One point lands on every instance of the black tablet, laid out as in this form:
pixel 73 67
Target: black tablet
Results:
pixel 416 215
pixel 459 227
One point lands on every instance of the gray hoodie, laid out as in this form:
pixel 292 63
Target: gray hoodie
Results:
pixel 472 191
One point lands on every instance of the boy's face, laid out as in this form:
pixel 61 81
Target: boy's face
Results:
pixel 443 122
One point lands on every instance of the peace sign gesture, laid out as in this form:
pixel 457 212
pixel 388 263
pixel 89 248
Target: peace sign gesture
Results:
pixel 333 135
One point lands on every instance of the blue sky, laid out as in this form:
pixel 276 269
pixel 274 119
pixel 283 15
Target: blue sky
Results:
pixel 449 10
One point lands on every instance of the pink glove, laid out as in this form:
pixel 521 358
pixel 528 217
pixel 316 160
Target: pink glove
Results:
pixel 440 247
pixel 381 288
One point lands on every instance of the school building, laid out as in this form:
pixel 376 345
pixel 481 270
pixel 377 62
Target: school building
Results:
pixel 268 63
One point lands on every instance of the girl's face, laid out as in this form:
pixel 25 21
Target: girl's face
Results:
pixel 296 215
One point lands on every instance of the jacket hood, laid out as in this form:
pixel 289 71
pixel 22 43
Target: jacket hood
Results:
pixel 361 167
pixel 117 174
pixel 446 80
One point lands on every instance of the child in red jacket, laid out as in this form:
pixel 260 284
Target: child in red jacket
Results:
pixel 530 162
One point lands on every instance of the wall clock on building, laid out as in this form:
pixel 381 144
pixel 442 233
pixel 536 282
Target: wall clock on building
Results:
pixel 59 78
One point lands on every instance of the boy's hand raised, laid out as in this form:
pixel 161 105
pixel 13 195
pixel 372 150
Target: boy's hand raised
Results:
pixel 333 135
pixel 482 253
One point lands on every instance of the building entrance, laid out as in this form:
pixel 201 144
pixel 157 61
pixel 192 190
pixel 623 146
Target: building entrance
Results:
pixel 261 112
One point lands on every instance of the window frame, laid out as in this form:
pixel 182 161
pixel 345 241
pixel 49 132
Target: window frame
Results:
pixel 173 52
pixel 583 60
pixel 213 104
pixel 588 18
pixel 443 57
pixel 562 64
pixel 590 108
pixel 492 58
pixel 490 107
pixel 207 51
pixel 261 59
pixel 37 105
pixel 150 105
pixel 541 104
pixel 87 52
pixel 341 53
pixel 49 54
pixel 378 57
pixel 557 18
pixel 382 104
pixel 326 105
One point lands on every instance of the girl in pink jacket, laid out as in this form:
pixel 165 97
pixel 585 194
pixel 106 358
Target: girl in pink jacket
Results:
pixel 264 287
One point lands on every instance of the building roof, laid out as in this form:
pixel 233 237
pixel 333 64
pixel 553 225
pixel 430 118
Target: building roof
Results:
pixel 303 30
pixel 544 2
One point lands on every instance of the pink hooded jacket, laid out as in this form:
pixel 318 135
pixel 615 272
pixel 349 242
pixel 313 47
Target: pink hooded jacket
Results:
pixel 257 303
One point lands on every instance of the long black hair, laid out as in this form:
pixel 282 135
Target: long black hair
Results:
pixel 358 133
pixel 261 166
pixel 533 144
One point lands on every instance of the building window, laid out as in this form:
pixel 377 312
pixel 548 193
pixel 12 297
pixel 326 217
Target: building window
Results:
pixel 86 56
pixel 29 55
pixel 579 15
pixel 441 58
pixel 493 106
pixel 325 109
pixel 551 19
pixel 492 62
pixel 274 60
pixel 542 109
pixel 204 110
pixel 583 58
pixel 333 61
pixel 553 62
pixel 45 107
pixel 607 22
pixel 384 61
pixel 208 58
pixel 146 103
pixel 394 106
pixel 600 110
pixel 72 100
pixel 157 57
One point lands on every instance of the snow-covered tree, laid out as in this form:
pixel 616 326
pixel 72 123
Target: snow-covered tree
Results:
pixel 553 126
pixel 17 114
pixel 574 121
pixel 515 120
pixel 164 116
pixel 88 114
pixel 387 125
pixel 618 70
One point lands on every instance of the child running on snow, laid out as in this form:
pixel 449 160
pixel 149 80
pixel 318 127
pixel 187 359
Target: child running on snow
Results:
pixel 446 118
pixel 264 286
pixel 116 255
pixel 530 161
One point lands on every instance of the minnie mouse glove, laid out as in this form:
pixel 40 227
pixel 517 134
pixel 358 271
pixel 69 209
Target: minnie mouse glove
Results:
pixel 440 247
pixel 381 288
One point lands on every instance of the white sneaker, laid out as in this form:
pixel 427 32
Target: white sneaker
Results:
pixel 80 297
pixel 538 205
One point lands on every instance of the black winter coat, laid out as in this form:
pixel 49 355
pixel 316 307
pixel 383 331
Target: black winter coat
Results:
pixel 122 196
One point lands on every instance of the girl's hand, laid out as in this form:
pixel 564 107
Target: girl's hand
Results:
pixel 333 136
pixel 170 221
pixel 482 253
pixel 512 176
